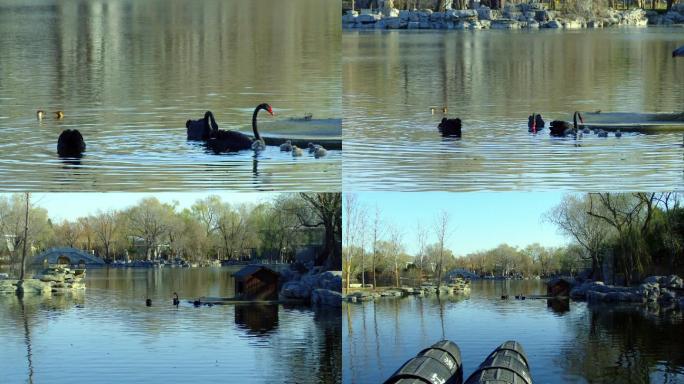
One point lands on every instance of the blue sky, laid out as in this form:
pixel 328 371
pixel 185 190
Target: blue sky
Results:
pixel 478 221
pixel 62 206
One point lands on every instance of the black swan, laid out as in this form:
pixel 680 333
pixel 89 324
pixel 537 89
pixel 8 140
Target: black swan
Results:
pixel 678 52
pixel 450 127
pixel 563 128
pixel 286 146
pixel 197 303
pixel 148 302
pixel 535 123
pixel 201 129
pixel 70 143
pixel 232 141
pixel 176 301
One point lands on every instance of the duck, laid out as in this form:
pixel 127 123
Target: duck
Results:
pixel 148 302
pixel 320 152
pixel 562 128
pixel 201 129
pixel 450 127
pixel 197 303
pixel 286 146
pixel 258 145
pixel 40 114
pixel 233 141
pixel 70 143
pixel 504 297
pixel 317 150
pixel 312 147
pixel 618 134
pixel 176 301
pixel 602 133
pixel 296 151
pixel 308 116
pixel 535 123
pixel 433 110
pixel 586 131
pixel 59 115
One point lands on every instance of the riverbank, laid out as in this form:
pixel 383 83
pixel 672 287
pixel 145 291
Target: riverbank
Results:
pixel 518 16
pixel 460 286
pixel 662 290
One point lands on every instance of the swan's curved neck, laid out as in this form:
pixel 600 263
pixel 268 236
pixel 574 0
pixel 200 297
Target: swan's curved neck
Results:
pixel 254 122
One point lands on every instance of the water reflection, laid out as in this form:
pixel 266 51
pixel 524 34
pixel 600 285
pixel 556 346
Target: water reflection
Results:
pixel 109 327
pixel 391 79
pixel 627 344
pixel 258 320
pixel 129 74
pixel 566 342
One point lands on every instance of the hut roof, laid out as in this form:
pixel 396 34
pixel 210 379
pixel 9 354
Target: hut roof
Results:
pixel 250 270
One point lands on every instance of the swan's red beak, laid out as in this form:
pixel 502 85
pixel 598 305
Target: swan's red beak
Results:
pixel 270 110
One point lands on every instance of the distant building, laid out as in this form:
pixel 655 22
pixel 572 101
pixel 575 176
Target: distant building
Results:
pixel 256 282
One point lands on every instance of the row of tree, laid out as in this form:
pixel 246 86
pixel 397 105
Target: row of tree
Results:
pixel 210 229
pixel 615 237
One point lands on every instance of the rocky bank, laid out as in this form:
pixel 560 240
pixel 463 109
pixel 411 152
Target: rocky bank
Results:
pixel 518 16
pixel 315 286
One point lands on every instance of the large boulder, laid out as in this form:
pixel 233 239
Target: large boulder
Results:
pixel 326 297
pixel 673 281
pixel 485 13
pixel 553 24
pixel 295 290
pixel 36 287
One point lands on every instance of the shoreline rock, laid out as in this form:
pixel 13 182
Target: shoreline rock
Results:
pixel 654 289
pixel 315 286
pixel 518 16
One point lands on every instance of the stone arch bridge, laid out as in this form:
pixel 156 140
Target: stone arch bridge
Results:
pixel 68 256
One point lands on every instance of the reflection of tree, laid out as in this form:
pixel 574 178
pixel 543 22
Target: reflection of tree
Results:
pixel 259 320
pixel 321 336
pixel 27 338
pixel 625 345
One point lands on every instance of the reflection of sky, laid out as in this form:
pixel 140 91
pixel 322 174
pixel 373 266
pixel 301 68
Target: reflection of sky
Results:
pixel 73 205
pixel 478 220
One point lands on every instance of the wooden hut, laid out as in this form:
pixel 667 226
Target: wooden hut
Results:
pixel 256 282
pixel 559 287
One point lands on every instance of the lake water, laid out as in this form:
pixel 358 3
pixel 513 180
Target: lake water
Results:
pixel 493 80
pixel 578 344
pixel 107 334
pixel 128 74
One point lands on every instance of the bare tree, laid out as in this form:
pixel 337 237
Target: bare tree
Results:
pixel 104 225
pixel 351 207
pixel 376 233
pixel 441 230
pixel 395 248
pixel 421 235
